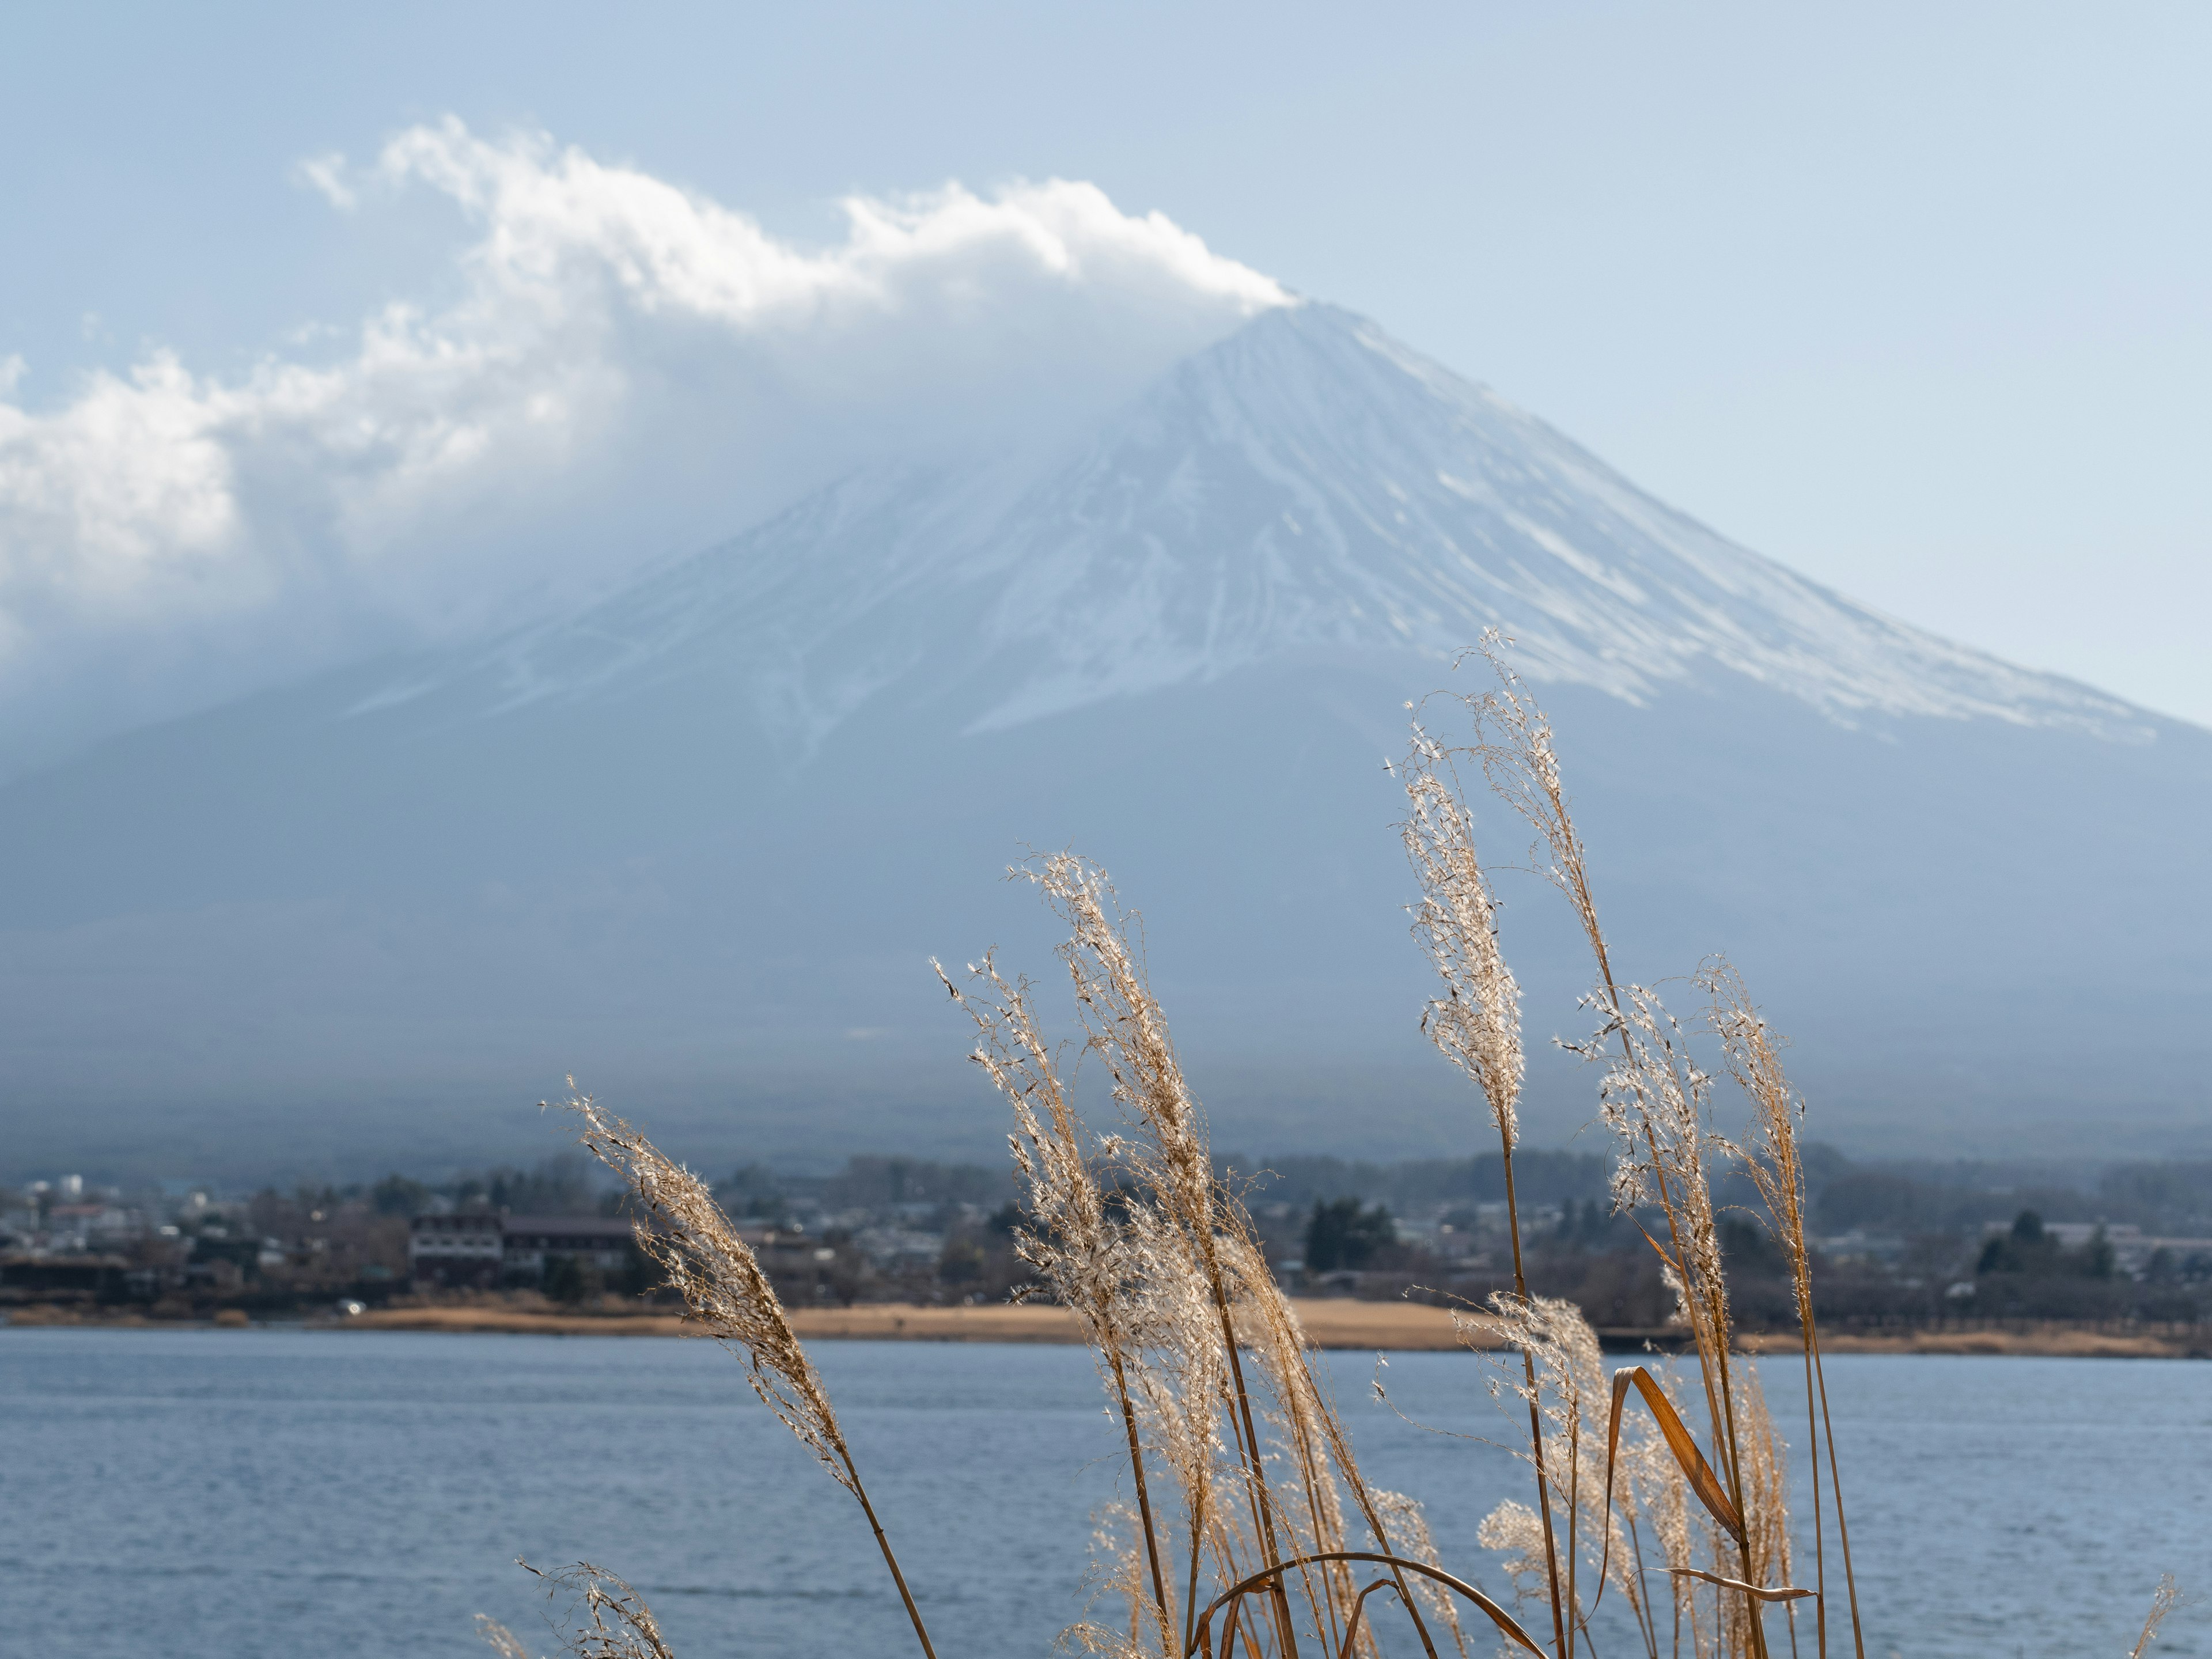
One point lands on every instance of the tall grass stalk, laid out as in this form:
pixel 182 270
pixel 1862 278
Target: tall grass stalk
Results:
pixel 1072 1243
pixel 1128 1031
pixel 1779 1172
pixel 1476 1024
pixel 725 1291
pixel 1653 1095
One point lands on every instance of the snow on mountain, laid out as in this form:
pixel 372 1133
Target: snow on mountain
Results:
pixel 1310 483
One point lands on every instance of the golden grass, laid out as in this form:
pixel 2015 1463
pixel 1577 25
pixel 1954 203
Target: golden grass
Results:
pixel 727 1293
pixel 1249 1509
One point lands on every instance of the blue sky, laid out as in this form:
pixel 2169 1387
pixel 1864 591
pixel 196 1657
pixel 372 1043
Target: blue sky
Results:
pixel 1914 299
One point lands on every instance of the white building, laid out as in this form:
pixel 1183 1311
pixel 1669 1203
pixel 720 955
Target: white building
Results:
pixel 530 1241
pixel 484 1246
pixel 459 1248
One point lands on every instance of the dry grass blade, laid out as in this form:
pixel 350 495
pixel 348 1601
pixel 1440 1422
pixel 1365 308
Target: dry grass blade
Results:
pixel 1508 1626
pixel 1355 1629
pixel 1703 1481
pixel 1655 1493
pixel 606 1617
pixel 1782 1592
pixel 2163 1600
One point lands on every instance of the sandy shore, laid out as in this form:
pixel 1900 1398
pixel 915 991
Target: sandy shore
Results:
pixel 1329 1323
pixel 2055 1343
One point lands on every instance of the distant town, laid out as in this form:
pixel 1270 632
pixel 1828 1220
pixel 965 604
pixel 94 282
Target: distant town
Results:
pixel 1902 1245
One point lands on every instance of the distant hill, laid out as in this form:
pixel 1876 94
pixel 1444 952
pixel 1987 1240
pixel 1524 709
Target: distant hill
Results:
pixel 697 842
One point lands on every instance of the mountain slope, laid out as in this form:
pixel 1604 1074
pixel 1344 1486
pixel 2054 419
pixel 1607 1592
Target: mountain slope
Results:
pixel 699 840
pixel 1308 483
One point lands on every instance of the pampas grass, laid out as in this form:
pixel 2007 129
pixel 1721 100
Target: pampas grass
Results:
pixel 1755 1063
pixel 1248 1508
pixel 727 1293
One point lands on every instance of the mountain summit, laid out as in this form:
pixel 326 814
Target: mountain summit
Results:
pixel 1309 484
pixel 698 840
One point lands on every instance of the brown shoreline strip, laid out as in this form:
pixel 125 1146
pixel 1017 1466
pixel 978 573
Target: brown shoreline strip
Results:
pixel 1332 1322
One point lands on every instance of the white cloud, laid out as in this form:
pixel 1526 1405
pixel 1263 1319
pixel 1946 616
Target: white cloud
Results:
pixel 326 175
pixel 625 368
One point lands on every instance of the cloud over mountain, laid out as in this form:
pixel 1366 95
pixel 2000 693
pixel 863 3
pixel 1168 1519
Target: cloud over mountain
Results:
pixel 615 367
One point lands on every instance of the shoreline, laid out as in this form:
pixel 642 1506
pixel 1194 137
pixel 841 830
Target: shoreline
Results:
pixel 1331 1323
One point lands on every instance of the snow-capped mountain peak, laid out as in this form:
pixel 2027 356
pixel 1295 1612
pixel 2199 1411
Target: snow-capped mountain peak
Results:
pixel 1309 484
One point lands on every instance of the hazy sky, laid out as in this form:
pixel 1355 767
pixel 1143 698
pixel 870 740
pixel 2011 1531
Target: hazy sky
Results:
pixel 1915 299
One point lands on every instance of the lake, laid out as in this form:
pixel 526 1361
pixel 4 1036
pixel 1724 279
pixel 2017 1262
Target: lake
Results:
pixel 313 1494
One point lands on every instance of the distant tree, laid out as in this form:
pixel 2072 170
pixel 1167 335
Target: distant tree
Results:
pixel 2030 1248
pixel 2098 1258
pixel 961 1262
pixel 1342 1234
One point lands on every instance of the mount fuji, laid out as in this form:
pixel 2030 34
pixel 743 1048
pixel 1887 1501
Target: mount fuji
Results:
pixel 697 840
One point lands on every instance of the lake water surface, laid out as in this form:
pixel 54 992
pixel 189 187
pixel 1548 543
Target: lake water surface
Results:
pixel 232 1495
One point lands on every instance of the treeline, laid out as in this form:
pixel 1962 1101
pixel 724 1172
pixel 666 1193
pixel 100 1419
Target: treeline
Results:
pixel 1898 1197
pixel 1894 1197
pixel 1911 1243
pixel 2171 1197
